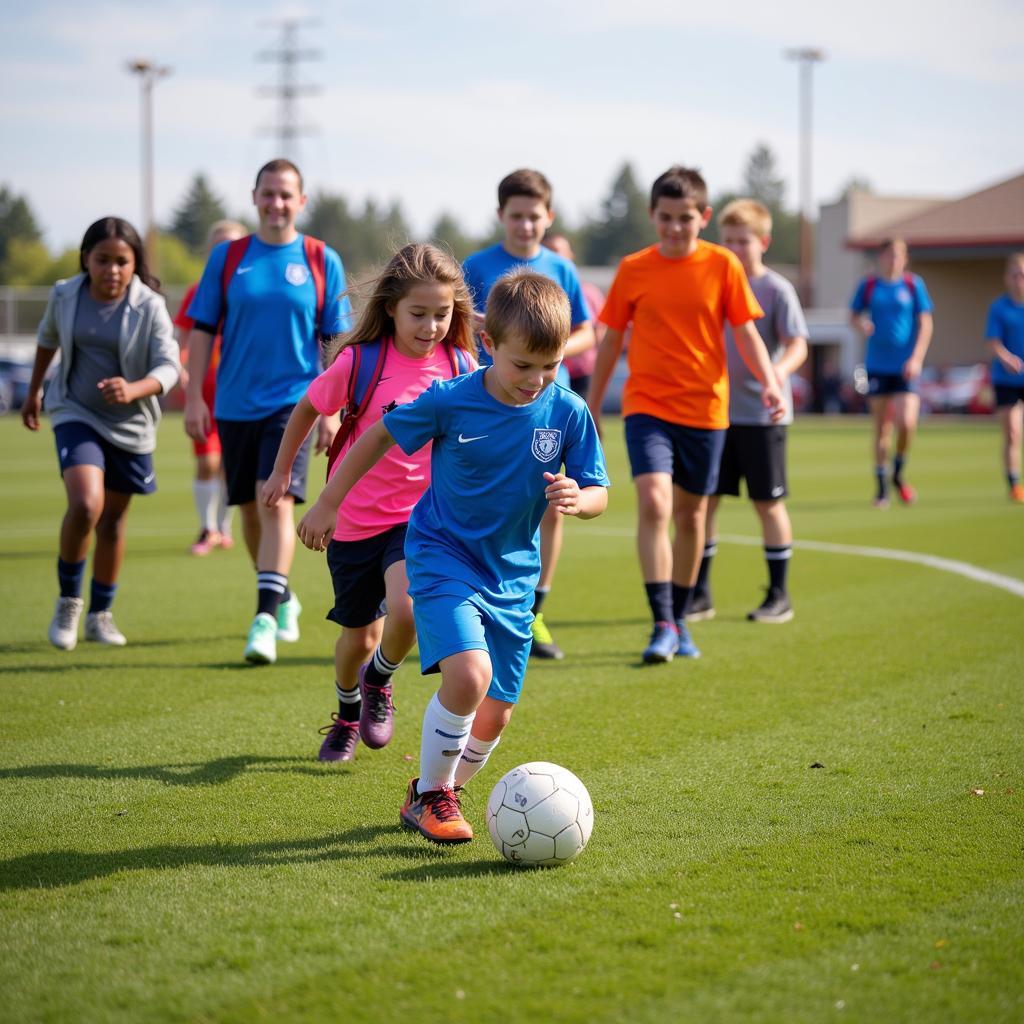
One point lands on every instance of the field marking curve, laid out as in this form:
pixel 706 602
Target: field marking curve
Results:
pixel 1010 584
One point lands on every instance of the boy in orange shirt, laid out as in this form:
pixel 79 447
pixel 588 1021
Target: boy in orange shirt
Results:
pixel 678 295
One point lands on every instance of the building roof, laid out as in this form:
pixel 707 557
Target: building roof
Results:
pixel 992 217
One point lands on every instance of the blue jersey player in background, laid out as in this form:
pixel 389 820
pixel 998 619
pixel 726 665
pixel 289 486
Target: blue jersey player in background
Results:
pixel 500 439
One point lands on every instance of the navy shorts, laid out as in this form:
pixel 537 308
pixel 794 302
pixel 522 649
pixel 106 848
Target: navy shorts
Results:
pixel 124 472
pixel 248 451
pixel 1008 395
pixel 890 384
pixel 357 572
pixel 756 454
pixel 690 455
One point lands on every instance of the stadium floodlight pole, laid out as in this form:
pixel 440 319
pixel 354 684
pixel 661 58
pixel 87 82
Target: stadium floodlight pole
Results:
pixel 806 57
pixel 148 73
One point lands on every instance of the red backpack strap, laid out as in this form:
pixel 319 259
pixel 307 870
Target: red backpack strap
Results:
pixel 368 361
pixel 458 359
pixel 237 249
pixel 314 250
pixel 870 282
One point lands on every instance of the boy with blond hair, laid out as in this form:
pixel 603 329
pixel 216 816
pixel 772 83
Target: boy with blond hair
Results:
pixel 500 438
pixel 678 295
pixel 526 213
pixel 755 446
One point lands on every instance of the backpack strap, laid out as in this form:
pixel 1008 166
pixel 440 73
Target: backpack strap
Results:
pixel 237 249
pixel 314 249
pixel 870 283
pixel 368 361
pixel 911 284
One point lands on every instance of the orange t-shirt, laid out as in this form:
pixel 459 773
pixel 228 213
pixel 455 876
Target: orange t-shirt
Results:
pixel 678 309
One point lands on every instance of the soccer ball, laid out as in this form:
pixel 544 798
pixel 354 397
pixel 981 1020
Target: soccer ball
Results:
pixel 540 814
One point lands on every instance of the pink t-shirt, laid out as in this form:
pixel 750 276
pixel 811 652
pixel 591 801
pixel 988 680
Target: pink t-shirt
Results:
pixel 385 496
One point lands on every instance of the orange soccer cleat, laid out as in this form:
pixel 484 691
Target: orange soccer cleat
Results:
pixel 436 815
pixel 1017 494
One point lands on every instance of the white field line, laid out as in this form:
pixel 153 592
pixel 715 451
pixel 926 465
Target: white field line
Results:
pixel 965 569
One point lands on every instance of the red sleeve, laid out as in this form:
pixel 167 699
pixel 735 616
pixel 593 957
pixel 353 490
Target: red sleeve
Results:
pixel 183 320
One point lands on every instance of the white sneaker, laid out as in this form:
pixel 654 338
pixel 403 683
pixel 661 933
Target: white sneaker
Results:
pixel 261 644
pixel 100 628
pixel 64 624
pixel 288 619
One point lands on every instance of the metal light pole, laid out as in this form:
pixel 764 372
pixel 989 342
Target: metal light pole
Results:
pixel 806 57
pixel 148 73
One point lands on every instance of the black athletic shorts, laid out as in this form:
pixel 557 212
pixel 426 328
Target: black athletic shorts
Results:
pixel 757 455
pixel 357 572
pixel 1008 395
pixel 248 451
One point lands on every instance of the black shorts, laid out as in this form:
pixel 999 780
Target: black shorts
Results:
pixel 357 572
pixel 1008 395
pixel 689 455
pixel 757 455
pixel 124 472
pixel 880 384
pixel 248 451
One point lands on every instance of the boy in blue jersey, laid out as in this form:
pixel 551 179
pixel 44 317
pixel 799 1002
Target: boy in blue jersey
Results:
pixel 500 438
pixel 270 354
pixel 893 312
pixel 1004 332
pixel 525 212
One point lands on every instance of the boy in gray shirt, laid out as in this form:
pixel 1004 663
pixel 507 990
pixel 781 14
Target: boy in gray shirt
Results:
pixel 755 448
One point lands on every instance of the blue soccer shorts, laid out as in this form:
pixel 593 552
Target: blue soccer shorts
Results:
pixel 449 624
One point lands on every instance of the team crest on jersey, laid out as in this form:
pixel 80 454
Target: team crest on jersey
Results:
pixel 546 443
pixel 296 273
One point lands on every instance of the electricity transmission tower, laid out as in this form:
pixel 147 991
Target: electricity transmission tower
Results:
pixel 287 55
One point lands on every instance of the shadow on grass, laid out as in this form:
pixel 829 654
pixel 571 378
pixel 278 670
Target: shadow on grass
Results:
pixel 56 868
pixel 440 870
pixel 210 773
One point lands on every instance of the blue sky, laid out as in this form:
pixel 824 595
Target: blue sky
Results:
pixel 433 104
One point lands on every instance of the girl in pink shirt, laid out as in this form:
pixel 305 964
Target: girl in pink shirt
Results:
pixel 418 314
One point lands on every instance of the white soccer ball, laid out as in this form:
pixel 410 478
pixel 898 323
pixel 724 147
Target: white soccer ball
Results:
pixel 540 814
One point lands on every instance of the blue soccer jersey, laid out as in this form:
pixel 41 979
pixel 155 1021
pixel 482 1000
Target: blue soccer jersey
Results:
pixel 894 307
pixel 475 530
pixel 1006 324
pixel 270 352
pixel 483 269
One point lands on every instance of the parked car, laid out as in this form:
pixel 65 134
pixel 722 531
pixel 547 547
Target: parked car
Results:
pixel 14 381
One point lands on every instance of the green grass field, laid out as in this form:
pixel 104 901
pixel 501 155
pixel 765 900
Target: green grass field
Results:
pixel 172 850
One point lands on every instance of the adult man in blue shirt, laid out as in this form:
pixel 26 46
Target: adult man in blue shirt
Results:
pixel 275 301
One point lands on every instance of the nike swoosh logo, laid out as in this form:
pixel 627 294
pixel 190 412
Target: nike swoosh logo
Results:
pixel 149 478
pixel 466 440
pixel 243 270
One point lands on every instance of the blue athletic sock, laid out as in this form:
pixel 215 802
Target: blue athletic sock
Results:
pixel 101 596
pixel 897 469
pixel 1011 478
pixel 681 597
pixel 659 597
pixel 778 565
pixel 70 576
pixel 270 590
pixel 883 485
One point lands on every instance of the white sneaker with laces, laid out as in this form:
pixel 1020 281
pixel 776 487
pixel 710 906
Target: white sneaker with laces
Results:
pixel 100 628
pixel 64 624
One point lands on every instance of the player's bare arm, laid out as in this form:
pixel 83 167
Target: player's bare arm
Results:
pixel 794 356
pixel 925 326
pixel 608 353
pixel 198 419
pixel 566 495
pixel 754 353
pixel 582 339
pixel 300 423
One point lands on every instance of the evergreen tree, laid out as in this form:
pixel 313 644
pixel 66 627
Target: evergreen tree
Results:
pixel 761 179
pixel 447 233
pixel 16 221
pixel 622 227
pixel 199 210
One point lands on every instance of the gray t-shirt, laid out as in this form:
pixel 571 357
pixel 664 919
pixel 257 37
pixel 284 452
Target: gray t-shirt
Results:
pixel 97 333
pixel 783 318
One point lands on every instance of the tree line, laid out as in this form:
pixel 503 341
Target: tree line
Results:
pixel 366 234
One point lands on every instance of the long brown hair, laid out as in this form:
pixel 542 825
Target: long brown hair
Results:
pixel 413 264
